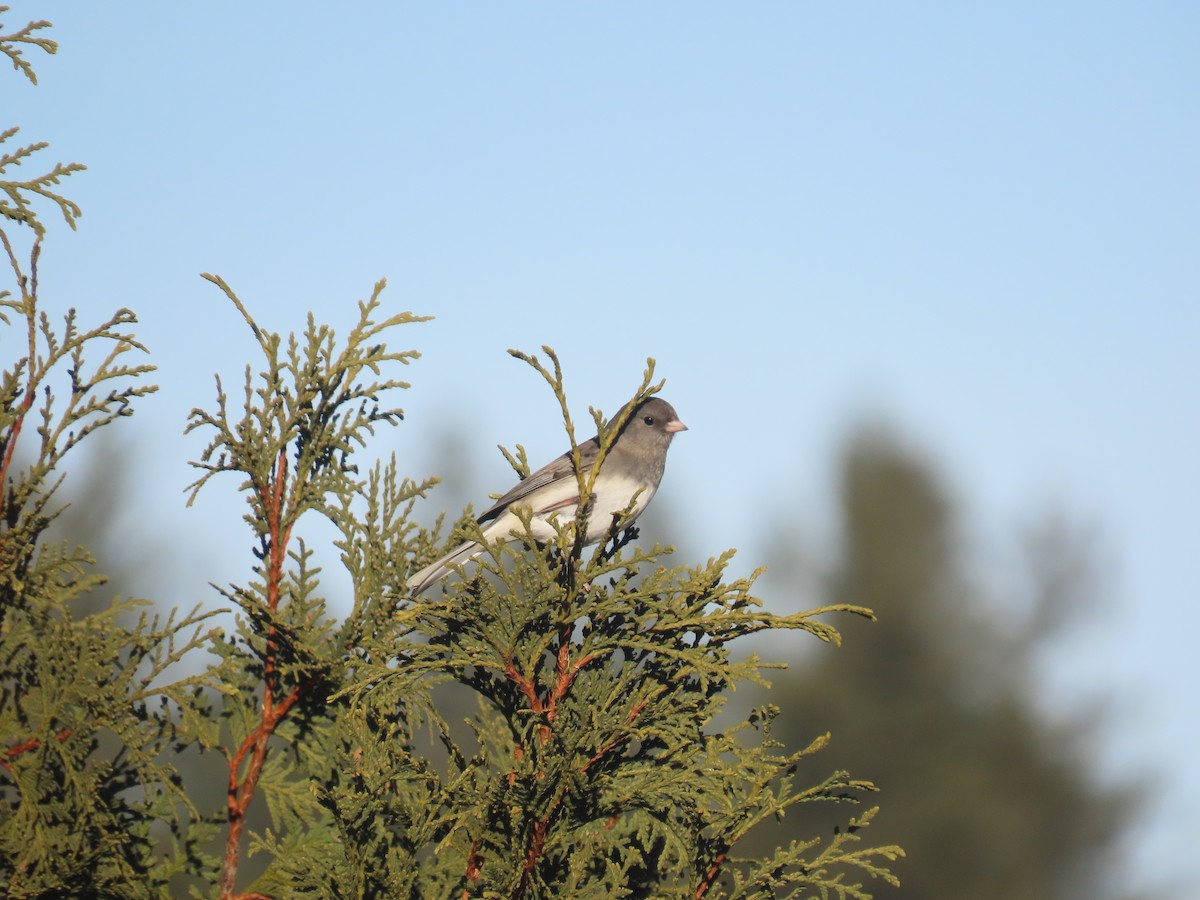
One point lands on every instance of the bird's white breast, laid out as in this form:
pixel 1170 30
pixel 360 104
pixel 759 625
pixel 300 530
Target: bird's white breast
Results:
pixel 557 504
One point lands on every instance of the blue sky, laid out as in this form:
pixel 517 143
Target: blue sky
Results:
pixel 980 221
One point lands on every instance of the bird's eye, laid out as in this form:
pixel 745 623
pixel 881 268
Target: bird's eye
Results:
pixel 649 420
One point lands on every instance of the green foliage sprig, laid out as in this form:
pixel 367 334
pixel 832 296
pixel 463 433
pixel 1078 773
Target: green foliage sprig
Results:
pixel 93 399
pixel 10 45
pixel 16 195
pixel 86 720
pixel 85 788
pixel 303 417
pixel 16 202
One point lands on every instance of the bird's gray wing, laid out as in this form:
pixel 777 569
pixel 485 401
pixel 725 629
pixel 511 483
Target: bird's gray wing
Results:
pixel 554 471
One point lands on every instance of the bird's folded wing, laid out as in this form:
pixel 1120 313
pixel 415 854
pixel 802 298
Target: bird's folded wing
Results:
pixel 558 471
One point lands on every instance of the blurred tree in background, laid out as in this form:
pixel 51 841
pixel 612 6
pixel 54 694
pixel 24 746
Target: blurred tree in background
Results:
pixel 938 701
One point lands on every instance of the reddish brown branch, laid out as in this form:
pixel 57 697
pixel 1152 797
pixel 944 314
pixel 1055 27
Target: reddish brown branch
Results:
pixel 30 296
pixel 710 876
pixel 562 671
pixel 567 676
pixel 240 793
pixel 537 840
pixel 615 742
pixel 273 506
pixel 474 867
pixel 240 790
pixel 28 746
pixel 524 685
pixel 564 676
pixel 10 446
pixel 537 837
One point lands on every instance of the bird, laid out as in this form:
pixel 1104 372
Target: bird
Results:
pixel 628 479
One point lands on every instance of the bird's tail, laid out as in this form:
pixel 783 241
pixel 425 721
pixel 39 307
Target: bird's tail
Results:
pixel 421 581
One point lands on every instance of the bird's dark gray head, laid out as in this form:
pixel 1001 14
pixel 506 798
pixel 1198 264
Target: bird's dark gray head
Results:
pixel 651 426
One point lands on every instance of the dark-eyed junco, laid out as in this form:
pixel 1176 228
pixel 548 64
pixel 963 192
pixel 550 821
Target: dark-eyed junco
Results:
pixel 630 473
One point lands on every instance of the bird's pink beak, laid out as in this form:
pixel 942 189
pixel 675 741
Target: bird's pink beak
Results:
pixel 673 426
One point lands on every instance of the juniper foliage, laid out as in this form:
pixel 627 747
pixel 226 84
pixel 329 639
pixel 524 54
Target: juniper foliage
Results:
pixel 88 788
pixel 17 197
pixel 589 765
